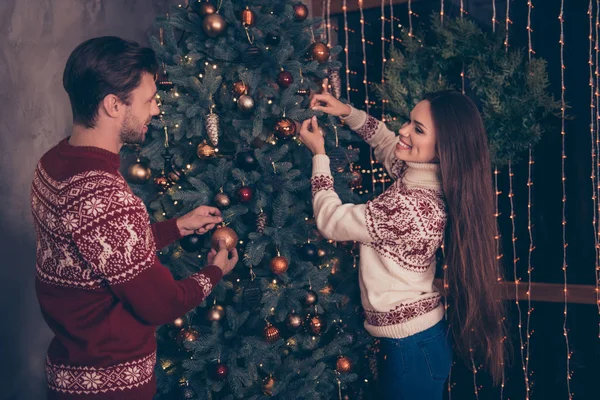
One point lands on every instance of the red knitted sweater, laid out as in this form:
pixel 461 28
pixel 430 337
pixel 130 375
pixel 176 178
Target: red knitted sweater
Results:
pixel 100 285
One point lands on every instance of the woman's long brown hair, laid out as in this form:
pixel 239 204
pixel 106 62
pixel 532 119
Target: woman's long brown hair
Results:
pixel 476 312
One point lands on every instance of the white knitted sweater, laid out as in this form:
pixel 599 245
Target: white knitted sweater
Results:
pixel 399 233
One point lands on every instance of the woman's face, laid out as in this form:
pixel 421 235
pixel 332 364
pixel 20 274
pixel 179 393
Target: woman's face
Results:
pixel 417 138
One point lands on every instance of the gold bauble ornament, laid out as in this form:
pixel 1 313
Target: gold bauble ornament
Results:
pixel 285 128
pixel 205 9
pixel 279 265
pixel 240 88
pixel 343 365
pixel 319 51
pixel 293 321
pixel 222 200
pixel 267 385
pixel 245 103
pixel 138 173
pixel 205 150
pixel 228 234
pixel 215 313
pixel 214 25
pixel 271 333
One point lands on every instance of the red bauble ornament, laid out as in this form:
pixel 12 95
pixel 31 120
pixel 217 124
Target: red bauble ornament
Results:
pixel 221 371
pixel 271 333
pixel 285 79
pixel 245 194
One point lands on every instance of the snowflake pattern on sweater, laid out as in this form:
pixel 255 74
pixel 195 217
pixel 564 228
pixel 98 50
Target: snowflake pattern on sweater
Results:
pixel 91 380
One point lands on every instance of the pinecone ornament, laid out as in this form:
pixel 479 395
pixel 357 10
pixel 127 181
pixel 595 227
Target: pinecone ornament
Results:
pixel 261 222
pixel 335 82
pixel 212 128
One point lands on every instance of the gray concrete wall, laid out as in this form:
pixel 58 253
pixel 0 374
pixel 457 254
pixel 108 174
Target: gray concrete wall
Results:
pixel 36 37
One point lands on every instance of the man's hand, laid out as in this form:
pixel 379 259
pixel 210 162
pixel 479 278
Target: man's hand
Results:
pixel 200 220
pixel 223 259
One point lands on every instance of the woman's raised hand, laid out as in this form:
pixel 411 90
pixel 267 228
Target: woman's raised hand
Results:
pixel 328 104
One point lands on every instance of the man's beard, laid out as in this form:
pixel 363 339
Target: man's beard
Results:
pixel 132 131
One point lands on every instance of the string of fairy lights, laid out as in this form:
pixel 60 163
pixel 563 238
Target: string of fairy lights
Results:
pixel 530 163
pixel 564 195
pixel 597 151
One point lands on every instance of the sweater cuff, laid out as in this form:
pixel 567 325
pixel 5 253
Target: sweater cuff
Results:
pixel 320 165
pixel 208 278
pixel 165 232
pixel 356 119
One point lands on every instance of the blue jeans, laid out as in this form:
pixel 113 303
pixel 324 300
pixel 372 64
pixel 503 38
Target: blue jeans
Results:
pixel 415 367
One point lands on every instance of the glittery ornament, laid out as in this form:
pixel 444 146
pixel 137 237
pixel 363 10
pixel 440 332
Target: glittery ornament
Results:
pixel 343 365
pixel 212 128
pixel 279 265
pixel 227 234
pixel 336 82
pixel 294 322
pixel 261 222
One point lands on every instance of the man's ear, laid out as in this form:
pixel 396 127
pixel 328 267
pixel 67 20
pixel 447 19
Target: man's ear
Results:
pixel 112 105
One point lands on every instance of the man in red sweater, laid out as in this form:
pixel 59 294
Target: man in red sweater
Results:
pixel 100 285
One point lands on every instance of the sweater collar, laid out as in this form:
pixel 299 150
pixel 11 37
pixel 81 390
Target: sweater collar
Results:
pixel 424 175
pixel 87 152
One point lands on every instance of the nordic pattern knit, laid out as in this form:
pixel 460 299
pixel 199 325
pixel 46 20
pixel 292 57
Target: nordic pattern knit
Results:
pixel 399 233
pixel 100 285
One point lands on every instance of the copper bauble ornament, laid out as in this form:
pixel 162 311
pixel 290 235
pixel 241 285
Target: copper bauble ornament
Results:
pixel 248 17
pixel 222 200
pixel 186 335
pixel 279 265
pixel 179 322
pixel 138 173
pixel 162 183
pixel 300 12
pixel 215 313
pixel 267 386
pixel 245 103
pixel 311 298
pixel 271 333
pixel 240 88
pixel 316 324
pixel 343 365
pixel 356 180
pixel 319 51
pixel 227 234
pixel 205 9
pixel 285 128
pixel 221 371
pixel 245 194
pixel 293 321
pixel 191 243
pixel 205 150
pixel 285 79
pixel 214 25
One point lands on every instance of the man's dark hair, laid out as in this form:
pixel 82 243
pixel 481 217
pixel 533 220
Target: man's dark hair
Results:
pixel 102 66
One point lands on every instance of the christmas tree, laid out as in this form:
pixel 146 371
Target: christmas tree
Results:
pixel 235 80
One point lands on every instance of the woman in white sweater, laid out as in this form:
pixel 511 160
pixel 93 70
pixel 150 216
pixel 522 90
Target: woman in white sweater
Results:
pixel 442 194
